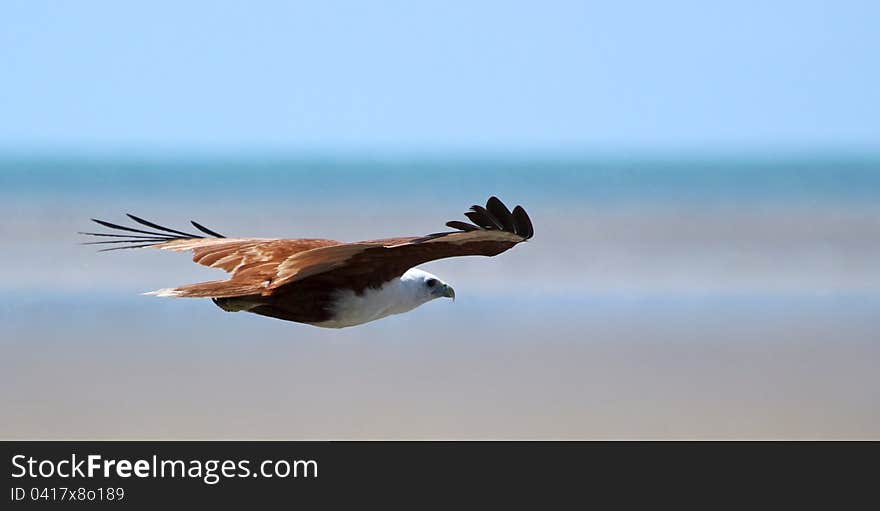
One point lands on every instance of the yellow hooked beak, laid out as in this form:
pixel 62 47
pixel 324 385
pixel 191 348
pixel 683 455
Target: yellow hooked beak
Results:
pixel 448 292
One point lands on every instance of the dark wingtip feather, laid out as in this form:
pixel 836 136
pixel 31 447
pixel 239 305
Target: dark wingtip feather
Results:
pixel 478 220
pixel 143 238
pixel 496 216
pixel 482 217
pixel 206 230
pixel 108 235
pixel 462 226
pixel 130 240
pixel 501 213
pixel 129 246
pixel 129 229
pixel 161 228
pixel 523 223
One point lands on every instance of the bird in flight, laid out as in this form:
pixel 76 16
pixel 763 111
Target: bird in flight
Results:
pixel 323 282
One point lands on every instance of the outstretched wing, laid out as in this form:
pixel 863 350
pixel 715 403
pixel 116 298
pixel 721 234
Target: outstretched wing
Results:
pixel 495 229
pixel 247 259
pixel 263 265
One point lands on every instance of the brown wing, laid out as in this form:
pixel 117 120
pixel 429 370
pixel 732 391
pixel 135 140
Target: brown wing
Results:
pixel 240 256
pixel 262 266
pixel 251 261
pixel 371 263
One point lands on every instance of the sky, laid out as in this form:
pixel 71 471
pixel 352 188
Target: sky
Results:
pixel 439 76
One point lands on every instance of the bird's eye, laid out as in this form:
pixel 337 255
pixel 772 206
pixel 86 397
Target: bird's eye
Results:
pixel 431 282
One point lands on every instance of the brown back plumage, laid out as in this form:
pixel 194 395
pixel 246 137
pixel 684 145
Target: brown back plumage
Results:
pixel 265 266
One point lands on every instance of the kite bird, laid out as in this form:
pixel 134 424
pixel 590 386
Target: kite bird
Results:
pixel 323 282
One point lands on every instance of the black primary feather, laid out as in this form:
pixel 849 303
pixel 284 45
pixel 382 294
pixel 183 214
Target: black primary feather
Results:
pixel 206 230
pixel 496 216
pixel 462 226
pixel 144 238
pixel 476 218
pixel 106 235
pixel 480 219
pixel 501 213
pixel 123 248
pixel 523 223
pixel 131 240
pixel 156 226
pixel 489 217
pixel 123 228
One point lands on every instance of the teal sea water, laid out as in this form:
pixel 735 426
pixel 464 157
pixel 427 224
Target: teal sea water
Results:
pixel 700 297
pixel 562 178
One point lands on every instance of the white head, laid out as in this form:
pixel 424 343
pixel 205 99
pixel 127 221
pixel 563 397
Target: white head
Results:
pixel 413 288
pixel 423 287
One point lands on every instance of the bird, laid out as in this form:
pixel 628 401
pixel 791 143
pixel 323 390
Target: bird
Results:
pixel 322 282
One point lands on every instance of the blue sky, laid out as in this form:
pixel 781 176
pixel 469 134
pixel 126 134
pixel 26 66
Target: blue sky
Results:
pixel 439 76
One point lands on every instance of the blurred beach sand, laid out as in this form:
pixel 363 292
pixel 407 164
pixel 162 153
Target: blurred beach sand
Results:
pixel 644 316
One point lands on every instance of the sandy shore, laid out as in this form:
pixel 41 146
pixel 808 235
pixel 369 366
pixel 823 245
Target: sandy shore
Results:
pixel 685 320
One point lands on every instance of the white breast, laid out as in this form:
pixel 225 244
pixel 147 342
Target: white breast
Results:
pixel 394 297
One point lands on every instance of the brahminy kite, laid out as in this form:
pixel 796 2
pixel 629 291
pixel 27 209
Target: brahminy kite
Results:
pixel 323 282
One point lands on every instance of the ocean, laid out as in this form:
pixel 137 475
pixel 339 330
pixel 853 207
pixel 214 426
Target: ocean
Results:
pixel 674 297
